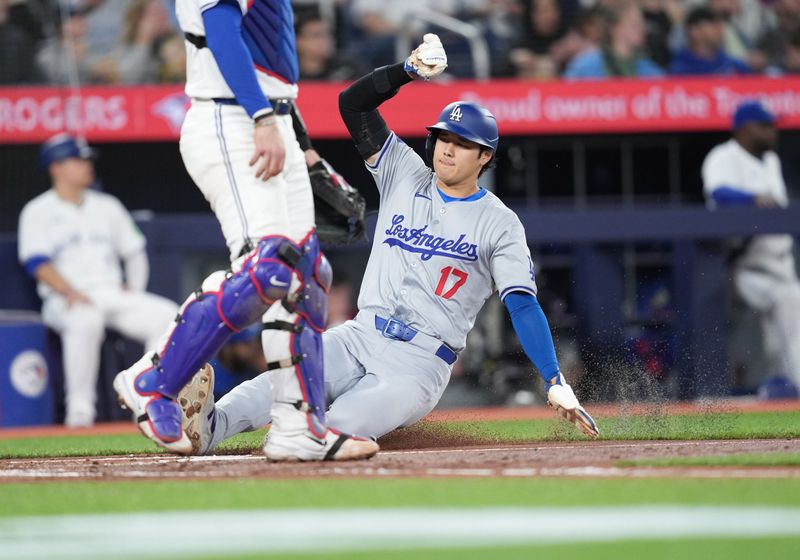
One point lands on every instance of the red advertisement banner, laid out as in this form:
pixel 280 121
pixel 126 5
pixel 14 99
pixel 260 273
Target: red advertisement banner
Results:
pixel 155 113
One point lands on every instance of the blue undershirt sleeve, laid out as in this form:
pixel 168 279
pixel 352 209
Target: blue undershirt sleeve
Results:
pixel 533 332
pixel 223 27
pixel 33 264
pixel 730 196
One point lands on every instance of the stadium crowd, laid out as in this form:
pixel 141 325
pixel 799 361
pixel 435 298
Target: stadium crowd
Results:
pixel 138 42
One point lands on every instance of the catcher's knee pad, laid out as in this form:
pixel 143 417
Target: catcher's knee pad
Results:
pixel 226 303
pixel 292 337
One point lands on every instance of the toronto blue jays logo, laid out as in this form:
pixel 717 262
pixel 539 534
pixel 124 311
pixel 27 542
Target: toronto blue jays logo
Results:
pixel 418 241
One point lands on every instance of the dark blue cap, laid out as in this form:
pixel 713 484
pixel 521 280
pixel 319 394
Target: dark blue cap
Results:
pixel 63 146
pixel 752 111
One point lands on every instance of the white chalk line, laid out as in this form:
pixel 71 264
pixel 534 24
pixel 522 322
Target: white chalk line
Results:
pixel 177 535
pixel 589 445
pixel 357 470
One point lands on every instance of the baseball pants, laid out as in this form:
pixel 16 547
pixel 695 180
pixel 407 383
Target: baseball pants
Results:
pixel 138 315
pixel 774 292
pixel 374 385
pixel 216 145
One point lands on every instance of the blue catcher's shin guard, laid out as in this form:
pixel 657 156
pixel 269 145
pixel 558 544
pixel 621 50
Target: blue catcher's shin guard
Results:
pixel 226 303
pixel 293 338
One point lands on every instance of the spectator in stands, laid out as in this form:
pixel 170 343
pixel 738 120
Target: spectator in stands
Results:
pixel 71 240
pixel 662 18
pixel 620 53
pixel 316 53
pixel 380 22
pixel 137 56
pixel 105 24
pixel 17 52
pixel 544 24
pixel 704 53
pixel 32 17
pixel 790 62
pixel 172 57
pixel 69 52
pixel 746 171
pixel 779 46
pixel 586 35
pixel 744 21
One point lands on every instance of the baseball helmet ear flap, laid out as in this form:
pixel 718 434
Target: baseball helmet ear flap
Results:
pixel 430 144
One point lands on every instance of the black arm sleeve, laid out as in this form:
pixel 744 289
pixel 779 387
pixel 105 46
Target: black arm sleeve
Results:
pixel 358 105
pixel 300 130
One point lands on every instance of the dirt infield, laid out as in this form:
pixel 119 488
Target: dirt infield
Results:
pixel 585 459
pixel 427 452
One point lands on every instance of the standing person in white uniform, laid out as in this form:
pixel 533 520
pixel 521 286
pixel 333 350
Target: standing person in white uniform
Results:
pixel 746 171
pixel 443 245
pixel 71 241
pixel 239 146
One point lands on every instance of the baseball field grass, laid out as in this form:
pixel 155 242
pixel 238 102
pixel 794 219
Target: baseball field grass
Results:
pixel 695 500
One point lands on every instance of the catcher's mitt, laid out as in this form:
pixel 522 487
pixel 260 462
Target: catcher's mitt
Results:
pixel 339 208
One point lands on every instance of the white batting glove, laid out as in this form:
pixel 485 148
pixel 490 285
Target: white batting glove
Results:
pixel 428 60
pixel 562 398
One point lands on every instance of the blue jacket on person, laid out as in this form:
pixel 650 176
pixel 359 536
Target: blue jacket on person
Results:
pixel 592 64
pixel 686 63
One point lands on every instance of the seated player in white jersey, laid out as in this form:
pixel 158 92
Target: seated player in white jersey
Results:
pixel 442 246
pixel 71 241
pixel 746 171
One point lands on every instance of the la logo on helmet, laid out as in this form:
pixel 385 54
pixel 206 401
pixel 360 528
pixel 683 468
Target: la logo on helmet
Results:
pixel 455 114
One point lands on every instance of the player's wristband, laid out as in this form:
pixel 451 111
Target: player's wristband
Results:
pixel 267 119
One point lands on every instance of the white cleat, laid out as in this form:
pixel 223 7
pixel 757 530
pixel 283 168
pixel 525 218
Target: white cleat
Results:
pixel 563 399
pixel 196 400
pixel 307 447
pixel 152 411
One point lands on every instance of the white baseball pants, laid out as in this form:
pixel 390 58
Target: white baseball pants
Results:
pixel 216 145
pixel 138 315
pixel 774 291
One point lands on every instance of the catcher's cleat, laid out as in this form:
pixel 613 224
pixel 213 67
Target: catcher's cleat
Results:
pixel 196 400
pixel 158 417
pixel 306 447
pixel 562 398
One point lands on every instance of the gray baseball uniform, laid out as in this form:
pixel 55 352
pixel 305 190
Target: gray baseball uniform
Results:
pixel 434 262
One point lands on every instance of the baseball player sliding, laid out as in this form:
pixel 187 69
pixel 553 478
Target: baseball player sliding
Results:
pixel 442 246
pixel 239 146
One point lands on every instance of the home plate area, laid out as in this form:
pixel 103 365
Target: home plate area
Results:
pixel 583 459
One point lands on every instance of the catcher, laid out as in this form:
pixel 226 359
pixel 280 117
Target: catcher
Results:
pixel 442 246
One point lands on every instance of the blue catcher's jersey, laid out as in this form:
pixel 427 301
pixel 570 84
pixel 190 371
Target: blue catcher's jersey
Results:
pixel 267 31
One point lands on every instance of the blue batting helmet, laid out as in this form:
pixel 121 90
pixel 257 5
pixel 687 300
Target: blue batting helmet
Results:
pixel 63 146
pixel 467 120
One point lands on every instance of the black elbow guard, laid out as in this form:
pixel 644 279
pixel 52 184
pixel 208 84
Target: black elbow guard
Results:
pixel 359 102
pixel 372 134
